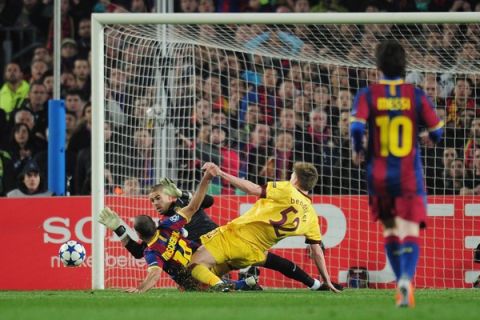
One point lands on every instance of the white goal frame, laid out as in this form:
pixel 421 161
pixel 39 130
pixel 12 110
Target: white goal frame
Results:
pixel 99 21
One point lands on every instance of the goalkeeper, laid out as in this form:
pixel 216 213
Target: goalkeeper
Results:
pixel 166 198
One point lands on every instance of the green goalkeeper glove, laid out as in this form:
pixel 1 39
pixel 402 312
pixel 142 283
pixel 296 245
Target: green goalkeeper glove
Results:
pixel 170 188
pixel 112 221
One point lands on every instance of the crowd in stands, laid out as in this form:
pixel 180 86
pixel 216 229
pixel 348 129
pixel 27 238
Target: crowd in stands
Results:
pixel 252 114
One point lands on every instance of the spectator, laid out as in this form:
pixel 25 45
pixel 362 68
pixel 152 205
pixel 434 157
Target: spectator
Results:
pixel 205 151
pixel 432 90
pixel 81 71
pixel 279 167
pixel 83 39
pixel 74 102
pixel 321 96
pixel 317 148
pixel 67 82
pixel 455 178
pixel 14 90
pixel 473 143
pixel 71 125
pixel 48 83
pixel 21 146
pixel 80 139
pixel 188 6
pixel 301 6
pixel 131 187
pixel 229 158
pixel 461 100
pixel 202 112
pixel 41 53
pixel 344 100
pixel 31 183
pixel 252 117
pixel 67 25
pixel 207 6
pixel 287 93
pixel 37 69
pixel 83 164
pixel 473 182
pixel 69 53
pixel 27 117
pixel 140 160
pixel 256 154
pixel 287 123
pixel 37 103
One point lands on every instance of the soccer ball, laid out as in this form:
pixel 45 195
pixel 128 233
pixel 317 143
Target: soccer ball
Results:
pixel 72 253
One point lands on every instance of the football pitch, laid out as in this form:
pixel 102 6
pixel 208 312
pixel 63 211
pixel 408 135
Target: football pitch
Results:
pixel 268 304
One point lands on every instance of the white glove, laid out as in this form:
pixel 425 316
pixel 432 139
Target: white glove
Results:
pixel 109 219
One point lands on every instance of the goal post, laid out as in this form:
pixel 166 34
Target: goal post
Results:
pixel 164 86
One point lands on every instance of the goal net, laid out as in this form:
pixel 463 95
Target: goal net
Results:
pixel 255 98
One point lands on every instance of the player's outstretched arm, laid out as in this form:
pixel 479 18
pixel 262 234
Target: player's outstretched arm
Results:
pixel 319 259
pixel 197 198
pixel 152 277
pixel 113 222
pixel 244 185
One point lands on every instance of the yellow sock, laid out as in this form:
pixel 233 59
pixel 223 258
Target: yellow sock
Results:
pixel 204 275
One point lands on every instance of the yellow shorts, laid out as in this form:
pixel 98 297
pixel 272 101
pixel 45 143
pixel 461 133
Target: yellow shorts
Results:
pixel 225 245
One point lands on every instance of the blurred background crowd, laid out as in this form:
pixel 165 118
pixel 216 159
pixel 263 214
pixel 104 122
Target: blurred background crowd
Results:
pixel 252 114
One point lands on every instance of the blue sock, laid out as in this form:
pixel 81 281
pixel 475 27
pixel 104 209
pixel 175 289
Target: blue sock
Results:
pixel 410 254
pixel 240 284
pixel 393 251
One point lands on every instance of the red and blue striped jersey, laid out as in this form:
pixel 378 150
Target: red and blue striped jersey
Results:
pixel 168 249
pixel 394 112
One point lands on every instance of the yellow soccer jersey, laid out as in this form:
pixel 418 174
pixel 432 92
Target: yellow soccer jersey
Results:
pixel 282 211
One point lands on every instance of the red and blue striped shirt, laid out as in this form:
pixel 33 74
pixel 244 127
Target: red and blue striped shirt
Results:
pixel 394 112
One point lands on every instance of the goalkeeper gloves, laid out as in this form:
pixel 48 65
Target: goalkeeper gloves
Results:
pixel 170 188
pixel 112 221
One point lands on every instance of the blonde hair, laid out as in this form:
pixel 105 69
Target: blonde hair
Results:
pixel 307 175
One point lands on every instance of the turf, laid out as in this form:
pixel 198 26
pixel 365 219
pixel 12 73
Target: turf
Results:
pixel 269 304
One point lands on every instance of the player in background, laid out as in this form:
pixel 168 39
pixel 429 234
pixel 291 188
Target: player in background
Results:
pixel 166 198
pixel 284 209
pixel 395 112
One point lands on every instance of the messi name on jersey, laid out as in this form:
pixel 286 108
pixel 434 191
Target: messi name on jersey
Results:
pixel 393 103
pixel 171 246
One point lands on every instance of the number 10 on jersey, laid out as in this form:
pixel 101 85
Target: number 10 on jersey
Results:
pixel 395 135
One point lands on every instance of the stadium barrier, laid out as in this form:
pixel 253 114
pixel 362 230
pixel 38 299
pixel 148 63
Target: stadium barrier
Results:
pixel 34 228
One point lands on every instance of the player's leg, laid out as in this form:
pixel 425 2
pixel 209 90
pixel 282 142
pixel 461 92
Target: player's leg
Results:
pixel 200 265
pixel 392 246
pixel 383 209
pixel 409 232
pixel 411 212
pixel 290 270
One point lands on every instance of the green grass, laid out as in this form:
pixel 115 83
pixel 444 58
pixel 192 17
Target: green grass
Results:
pixel 269 304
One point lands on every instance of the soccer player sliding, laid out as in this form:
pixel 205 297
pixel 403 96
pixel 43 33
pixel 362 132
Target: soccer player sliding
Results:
pixel 165 247
pixel 394 112
pixel 284 209
pixel 166 199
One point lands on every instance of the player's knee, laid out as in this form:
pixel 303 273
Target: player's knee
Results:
pixel 203 257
